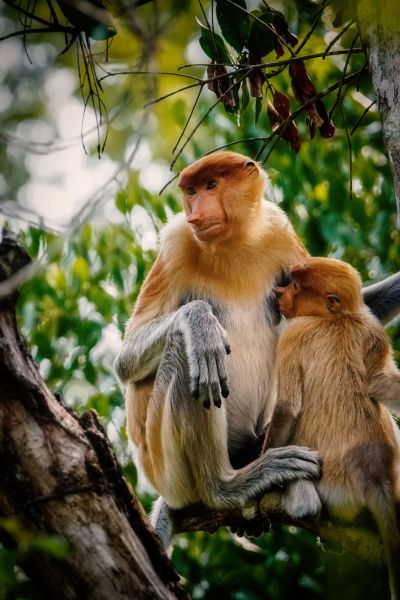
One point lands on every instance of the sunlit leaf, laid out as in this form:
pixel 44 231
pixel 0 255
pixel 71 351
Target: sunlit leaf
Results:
pixel 213 45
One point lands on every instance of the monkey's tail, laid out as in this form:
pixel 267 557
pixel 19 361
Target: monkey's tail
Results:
pixel 387 514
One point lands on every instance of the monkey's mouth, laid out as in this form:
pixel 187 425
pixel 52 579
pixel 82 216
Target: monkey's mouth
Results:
pixel 209 231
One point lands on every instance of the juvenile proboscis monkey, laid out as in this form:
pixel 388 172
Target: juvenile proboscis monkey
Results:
pixel 204 328
pixel 336 381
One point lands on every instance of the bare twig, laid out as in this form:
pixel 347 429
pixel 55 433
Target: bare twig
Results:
pixel 170 94
pixel 338 36
pixel 313 26
pixel 357 123
pixel 209 110
pixel 187 120
pixel 50 29
pixel 346 64
pixel 168 183
pixel 350 151
pixel 27 13
pixel 277 63
pixel 152 73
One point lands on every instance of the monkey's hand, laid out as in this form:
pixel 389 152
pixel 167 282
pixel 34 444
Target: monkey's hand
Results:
pixel 206 346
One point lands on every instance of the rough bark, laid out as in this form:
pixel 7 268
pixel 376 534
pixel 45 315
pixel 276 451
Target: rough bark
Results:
pixel 59 475
pixel 379 25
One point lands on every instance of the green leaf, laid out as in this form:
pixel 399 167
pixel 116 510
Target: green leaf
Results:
pixel 261 38
pixel 123 203
pixel 245 98
pixel 258 110
pixel 213 45
pixel 234 23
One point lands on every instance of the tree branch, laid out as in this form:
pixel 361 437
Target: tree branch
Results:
pixel 360 542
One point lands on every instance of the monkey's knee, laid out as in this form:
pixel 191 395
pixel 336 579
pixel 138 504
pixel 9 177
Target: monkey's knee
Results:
pixel 301 500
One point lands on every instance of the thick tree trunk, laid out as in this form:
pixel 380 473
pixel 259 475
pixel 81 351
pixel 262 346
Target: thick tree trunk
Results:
pixel 379 25
pixel 59 475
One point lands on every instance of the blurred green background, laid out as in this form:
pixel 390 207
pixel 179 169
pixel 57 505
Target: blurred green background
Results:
pixel 94 223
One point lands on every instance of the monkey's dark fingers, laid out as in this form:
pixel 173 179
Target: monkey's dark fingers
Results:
pixel 223 379
pixel 213 379
pixel 204 396
pixel 238 530
pixel 214 387
pixel 297 452
pixel 207 403
pixel 292 462
pixel 224 388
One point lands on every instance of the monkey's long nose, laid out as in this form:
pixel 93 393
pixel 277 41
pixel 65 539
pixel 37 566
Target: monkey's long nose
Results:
pixel 195 219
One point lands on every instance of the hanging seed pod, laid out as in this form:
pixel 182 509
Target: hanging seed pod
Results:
pixel 277 112
pixel 220 82
pixel 291 134
pixel 278 48
pixel 281 103
pixel 256 77
pixel 282 28
pixel 311 127
pixel 304 90
pixel 302 86
pixel 327 128
pixel 273 116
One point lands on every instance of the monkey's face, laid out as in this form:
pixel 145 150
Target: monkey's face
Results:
pixel 287 297
pixel 296 300
pixel 205 213
pixel 321 288
pixel 220 194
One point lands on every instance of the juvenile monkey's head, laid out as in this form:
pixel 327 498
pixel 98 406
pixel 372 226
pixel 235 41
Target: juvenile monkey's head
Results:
pixel 222 192
pixel 322 287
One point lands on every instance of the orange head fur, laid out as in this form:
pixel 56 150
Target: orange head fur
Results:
pixel 222 193
pixel 321 287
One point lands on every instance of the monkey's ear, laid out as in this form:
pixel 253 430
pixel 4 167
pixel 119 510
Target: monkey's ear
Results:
pixel 300 269
pixel 333 302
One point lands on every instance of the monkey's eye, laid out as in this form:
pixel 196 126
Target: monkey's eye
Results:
pixel 250 163
pixel 211 184
pixel 190 191
pixel 295 285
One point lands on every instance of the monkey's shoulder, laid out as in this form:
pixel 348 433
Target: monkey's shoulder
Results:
pixel 279 247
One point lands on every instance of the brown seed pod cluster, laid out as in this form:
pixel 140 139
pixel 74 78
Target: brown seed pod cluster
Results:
pixel 253 36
